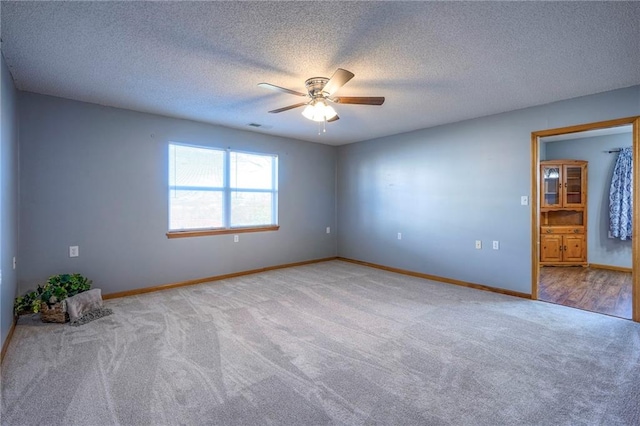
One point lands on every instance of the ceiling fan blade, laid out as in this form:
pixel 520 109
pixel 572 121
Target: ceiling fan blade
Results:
pixel 358 100
pixel 281 89
pixel 336 118
pixel 275 111
pixel 337 80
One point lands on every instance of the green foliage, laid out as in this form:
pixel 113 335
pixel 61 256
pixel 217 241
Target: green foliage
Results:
pixel 56 289
pixel 30 302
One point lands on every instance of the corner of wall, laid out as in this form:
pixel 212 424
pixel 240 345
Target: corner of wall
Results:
pixel 8 201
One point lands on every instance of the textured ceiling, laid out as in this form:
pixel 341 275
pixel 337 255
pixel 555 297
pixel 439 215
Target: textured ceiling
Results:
pixel 435 62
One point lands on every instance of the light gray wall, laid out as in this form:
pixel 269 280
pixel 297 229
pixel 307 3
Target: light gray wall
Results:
pixel 601 249
pixel 96 177
pixel 8 198
pixel 447 186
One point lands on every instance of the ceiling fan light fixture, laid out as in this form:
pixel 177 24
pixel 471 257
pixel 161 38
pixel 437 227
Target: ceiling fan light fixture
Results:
pixel 318 110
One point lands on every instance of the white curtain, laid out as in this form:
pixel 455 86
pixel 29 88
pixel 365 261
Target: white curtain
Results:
pixel 621 196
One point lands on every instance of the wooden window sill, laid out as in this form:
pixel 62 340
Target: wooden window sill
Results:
pixel 205 232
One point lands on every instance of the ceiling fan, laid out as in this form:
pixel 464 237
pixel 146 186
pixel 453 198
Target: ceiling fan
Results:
pixel 319 91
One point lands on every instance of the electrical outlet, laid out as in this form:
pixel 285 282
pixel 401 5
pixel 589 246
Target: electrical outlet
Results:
pixel 236 238
pixel 399 235
pixel 496 245
pixel 478 244
pixel 328 229
pixel 74 251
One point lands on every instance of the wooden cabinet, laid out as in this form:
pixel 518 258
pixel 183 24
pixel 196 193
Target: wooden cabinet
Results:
pixel 563 184
pixel 573 248
pixel 562 249
pixel 550 248
pixel 563 211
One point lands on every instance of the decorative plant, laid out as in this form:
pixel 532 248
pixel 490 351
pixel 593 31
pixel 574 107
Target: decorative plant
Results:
pixel 56 289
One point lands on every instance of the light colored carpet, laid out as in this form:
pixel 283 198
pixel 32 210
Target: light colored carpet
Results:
pixel 329 343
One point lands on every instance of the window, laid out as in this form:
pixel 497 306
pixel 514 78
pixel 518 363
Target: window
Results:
pixel 221 191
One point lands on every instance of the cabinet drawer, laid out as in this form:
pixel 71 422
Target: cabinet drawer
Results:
pixel 561 230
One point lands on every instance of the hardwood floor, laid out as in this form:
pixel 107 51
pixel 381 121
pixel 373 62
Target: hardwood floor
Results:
pixel 597 290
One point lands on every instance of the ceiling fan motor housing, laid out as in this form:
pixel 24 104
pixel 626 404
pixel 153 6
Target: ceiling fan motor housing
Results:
pixel 315 85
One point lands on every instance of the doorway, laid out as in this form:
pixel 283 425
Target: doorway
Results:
pixel 575 261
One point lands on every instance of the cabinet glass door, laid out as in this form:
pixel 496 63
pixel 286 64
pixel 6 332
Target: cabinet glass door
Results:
pixel 551 186
pixel 573 185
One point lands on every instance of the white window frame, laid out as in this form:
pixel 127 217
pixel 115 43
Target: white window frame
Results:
pixel 227 191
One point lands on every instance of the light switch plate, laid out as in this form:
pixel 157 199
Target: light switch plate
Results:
pixel 524 200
